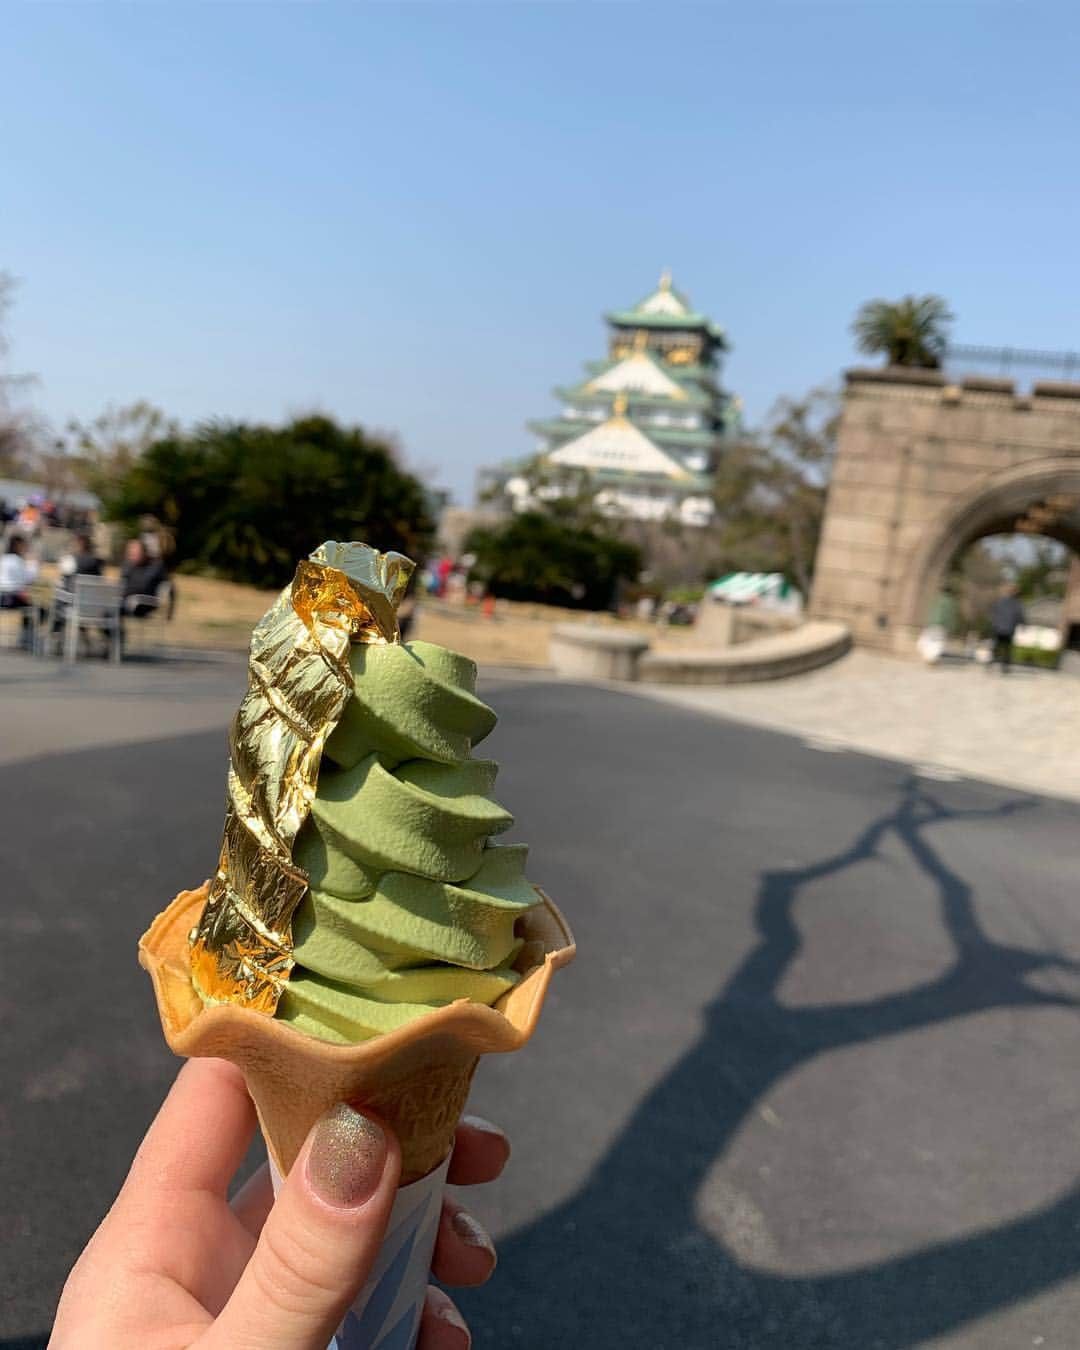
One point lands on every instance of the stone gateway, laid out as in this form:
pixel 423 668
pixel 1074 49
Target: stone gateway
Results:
pixel 925 467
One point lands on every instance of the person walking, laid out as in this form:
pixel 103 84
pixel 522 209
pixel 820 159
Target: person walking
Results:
pixel 1006 615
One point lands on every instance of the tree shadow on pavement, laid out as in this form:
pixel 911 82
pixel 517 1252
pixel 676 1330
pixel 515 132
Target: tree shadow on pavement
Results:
pixel 625 1262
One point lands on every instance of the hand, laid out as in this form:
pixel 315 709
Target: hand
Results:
pixel 174 1265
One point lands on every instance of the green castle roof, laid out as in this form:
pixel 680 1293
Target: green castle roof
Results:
pixel 669 309
pixel 631 318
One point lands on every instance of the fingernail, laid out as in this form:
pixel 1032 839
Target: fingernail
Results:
pixel 485 1127
pixel 471 1231
pixel 445 1310
pixel 347 1157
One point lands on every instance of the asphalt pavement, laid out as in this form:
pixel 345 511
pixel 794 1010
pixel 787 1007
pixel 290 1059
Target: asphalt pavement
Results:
pixel 812 1082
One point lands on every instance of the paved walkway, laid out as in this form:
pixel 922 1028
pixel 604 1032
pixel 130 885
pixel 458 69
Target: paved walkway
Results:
pixel 811 1084
pixel 1023 730
pixel 53 708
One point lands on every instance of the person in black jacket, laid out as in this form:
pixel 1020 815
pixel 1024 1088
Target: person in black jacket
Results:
pixel 141 576
pixel 1006 615
pixel 82 561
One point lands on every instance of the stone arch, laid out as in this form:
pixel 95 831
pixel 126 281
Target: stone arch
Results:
pixel 923 467
pixel 992 505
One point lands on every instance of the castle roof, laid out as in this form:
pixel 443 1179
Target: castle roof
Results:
pixel 665 307
pixel 617 446
pixel 638 373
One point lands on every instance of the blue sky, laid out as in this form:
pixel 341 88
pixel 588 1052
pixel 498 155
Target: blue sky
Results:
pixel 413 216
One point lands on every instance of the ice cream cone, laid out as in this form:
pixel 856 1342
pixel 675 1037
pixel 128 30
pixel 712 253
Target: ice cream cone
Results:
pixel 416 1078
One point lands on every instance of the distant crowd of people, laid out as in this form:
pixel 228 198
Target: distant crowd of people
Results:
pixel 447 578
pixel 39 511
pixel 142 579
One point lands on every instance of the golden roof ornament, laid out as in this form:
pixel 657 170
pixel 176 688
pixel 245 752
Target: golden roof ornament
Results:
pixel 665 279
pixel 618 408
pixel 299 682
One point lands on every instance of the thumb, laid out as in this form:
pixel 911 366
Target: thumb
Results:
pixel 319 1241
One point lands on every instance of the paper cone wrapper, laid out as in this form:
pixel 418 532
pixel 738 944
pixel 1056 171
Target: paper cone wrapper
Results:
pixel 415 1079
pixel 386 1312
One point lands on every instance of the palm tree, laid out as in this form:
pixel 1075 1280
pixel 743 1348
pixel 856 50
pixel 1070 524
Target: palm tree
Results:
pixel 911 332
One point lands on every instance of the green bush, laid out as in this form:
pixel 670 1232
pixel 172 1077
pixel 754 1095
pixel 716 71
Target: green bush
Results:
pixel 247 501
pixel 1036 656
pixel 536 557
pixel 685 595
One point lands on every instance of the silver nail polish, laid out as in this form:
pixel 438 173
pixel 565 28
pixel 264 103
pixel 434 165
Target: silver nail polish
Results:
pixel 483 1126
pixel 471 1231
pixel 447 1312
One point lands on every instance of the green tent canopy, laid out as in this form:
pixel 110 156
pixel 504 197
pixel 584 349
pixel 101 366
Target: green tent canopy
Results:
pixel 740 588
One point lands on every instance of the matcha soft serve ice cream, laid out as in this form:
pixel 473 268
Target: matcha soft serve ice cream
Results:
pixel 365 937
pixel 411 903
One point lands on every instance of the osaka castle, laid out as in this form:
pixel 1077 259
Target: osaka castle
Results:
pixel 648 422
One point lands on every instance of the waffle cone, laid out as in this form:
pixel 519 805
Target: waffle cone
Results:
pixel 416 1078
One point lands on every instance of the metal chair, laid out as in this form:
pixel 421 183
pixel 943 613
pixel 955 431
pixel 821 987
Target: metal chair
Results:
pixel 144 633
pixel 95 603
pixel 20 621
pixel 50 634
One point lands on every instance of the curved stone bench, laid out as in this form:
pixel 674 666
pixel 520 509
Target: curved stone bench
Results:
pixel 772 658
pixel 589 652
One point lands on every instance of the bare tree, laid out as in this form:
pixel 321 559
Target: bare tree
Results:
pixel 770 490
pixel 103 450
pixel 17 428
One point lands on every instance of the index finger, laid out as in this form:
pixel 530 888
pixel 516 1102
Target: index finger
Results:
pixel 199 1137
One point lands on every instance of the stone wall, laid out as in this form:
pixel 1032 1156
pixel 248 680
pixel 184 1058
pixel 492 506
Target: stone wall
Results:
pixel 922 469
pixel 457 522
